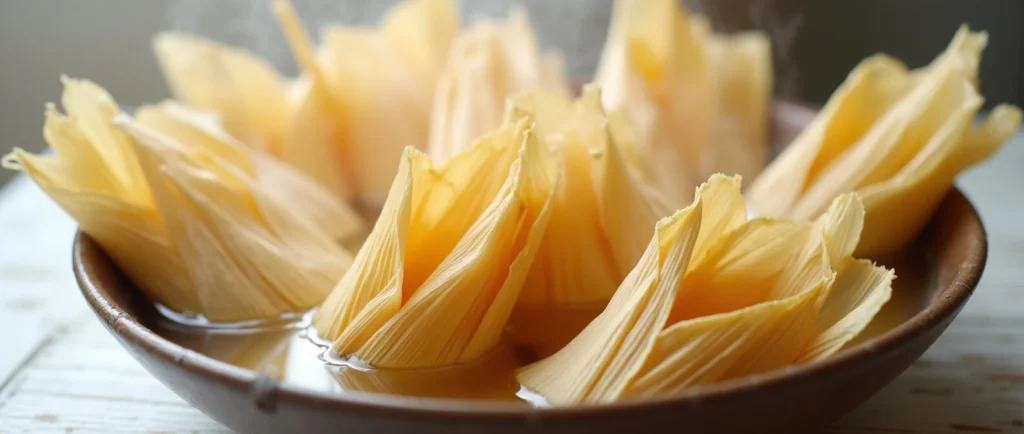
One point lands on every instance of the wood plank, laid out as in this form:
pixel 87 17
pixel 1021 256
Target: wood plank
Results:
pixel 37 289
pixel 83 382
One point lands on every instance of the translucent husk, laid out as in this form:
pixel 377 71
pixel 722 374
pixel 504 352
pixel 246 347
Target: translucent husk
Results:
pixel 897 137
pixel 381 83
pixel 194 232
pixel 600 216
pixel 363 96
pixel 716 297
pixel 488 63
pixel 201 130
pixel 442 269
pixel 699 100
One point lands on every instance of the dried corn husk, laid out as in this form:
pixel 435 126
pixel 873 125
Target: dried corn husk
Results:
pixel 443 267
pixel 717 297
pixel 897 137
pixel 193 231
pixel 699 100
pixel 198 129
pixel 601 215
pixel 488 63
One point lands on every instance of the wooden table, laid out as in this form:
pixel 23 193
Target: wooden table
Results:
pixel 60 372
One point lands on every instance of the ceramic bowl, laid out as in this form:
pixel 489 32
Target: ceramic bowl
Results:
pixel 952 252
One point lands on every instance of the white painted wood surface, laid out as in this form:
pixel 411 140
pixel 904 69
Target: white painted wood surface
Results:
pixel 60 372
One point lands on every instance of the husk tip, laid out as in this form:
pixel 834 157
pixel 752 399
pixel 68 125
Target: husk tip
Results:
pixel 11 161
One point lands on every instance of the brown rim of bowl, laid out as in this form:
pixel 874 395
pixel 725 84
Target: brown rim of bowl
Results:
pixel 945 303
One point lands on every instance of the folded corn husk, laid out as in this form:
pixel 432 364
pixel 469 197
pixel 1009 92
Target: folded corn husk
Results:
pixel 442 269
pixel 379 83
pixel 716 297
pixel 364 94
pixel 194 232
pixel 897 137
pixel 248 94
pixel 600 216
pixel 488 63
pixel 699 100
pixel 202 130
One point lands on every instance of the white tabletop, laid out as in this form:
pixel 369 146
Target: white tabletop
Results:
pixel 61 372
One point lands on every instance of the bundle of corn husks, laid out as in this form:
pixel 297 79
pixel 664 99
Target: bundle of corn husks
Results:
pixel 200 224
pixel 716 297
pixel 698 100
pixel 897 137
pixel 366 93
pixel 441 272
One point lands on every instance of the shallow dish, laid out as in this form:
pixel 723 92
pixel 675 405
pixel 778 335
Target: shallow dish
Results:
pixel 936 277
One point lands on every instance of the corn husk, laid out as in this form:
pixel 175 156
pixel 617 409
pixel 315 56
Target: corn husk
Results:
pixel 716 297
pixel 601 215
pixel 198 129
pixel 699 100
pixel 897 137
pixel 381 82
pixel 363 95
pixel 248 94
pixel 194 232
pixel 488 63
pixel 442 269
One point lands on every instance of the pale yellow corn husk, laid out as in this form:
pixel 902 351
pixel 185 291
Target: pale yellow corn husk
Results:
pixel 381 83
pixel 442 269
pixel 699 100
pixel 717 297
pixel 194 232
pixel 363 96
pixel 488 63
pixel 248 255
pixel 420 32
pixel 601 214
pixel 246 91
pixel 258 106
pixel 313 140
pixel 202 130
pixel 897 137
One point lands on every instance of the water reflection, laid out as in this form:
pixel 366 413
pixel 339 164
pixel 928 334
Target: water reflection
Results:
pixel 283 351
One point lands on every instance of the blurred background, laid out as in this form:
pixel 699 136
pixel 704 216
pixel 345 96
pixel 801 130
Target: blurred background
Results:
pixel 816 43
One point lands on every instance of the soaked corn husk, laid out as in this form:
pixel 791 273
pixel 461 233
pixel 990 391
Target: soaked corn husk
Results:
pixel 194 232
pixel 488 63
pixel 601 215
pixel 363 96
pixel 699 100
pixel 202 130
pixel 381 82
pixel 898 137
pixel 717 297
pixel 442 269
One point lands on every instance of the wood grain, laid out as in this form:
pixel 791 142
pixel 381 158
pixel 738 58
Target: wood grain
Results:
pixel 62 373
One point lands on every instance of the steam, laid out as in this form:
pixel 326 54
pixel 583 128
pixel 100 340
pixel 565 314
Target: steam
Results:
pixel 575 27
pixel 251 24
pixel 783 31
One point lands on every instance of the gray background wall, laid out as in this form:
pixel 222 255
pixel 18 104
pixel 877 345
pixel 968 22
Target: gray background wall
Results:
pixel 817 42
